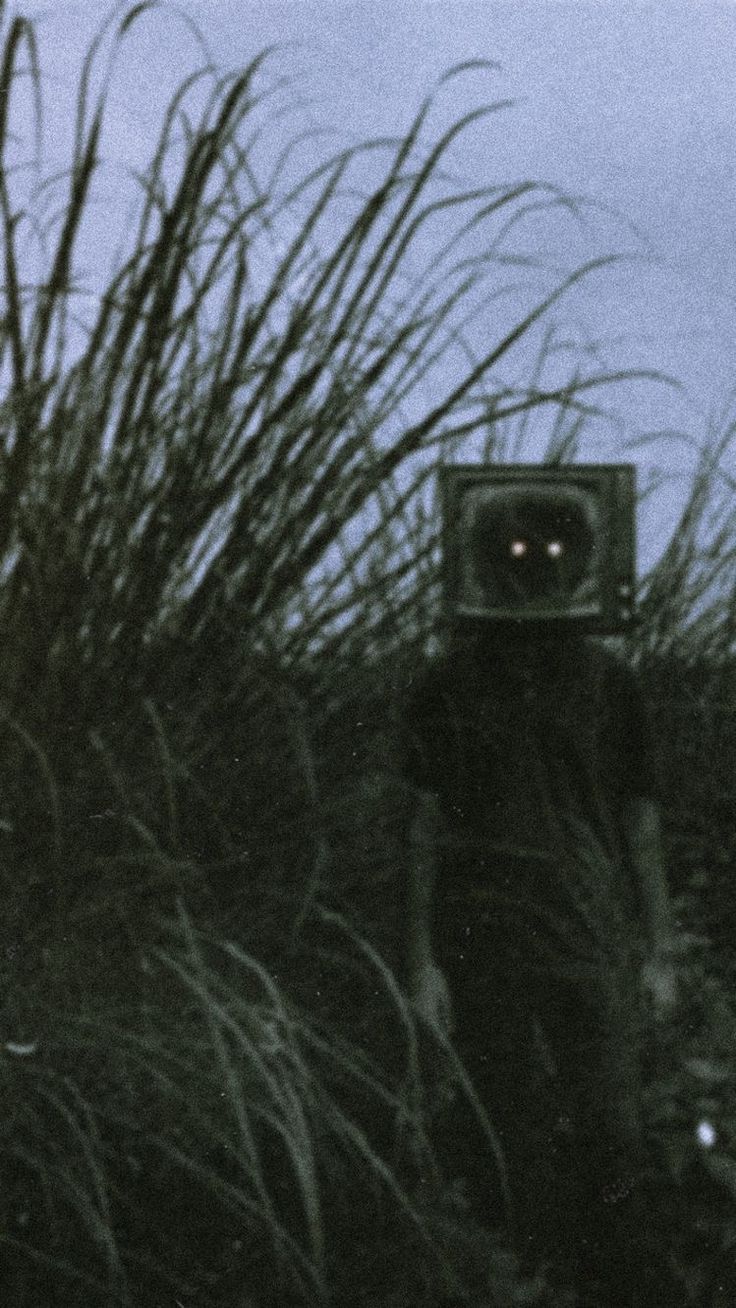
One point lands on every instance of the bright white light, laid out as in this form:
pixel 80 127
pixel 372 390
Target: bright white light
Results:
pixel 706 1134
pixel 518 548
pixel 21 1050
pixel 554 549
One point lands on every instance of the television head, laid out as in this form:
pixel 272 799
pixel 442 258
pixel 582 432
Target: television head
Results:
pixel 540 543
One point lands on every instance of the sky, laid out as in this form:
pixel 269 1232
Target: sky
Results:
pixel 629 104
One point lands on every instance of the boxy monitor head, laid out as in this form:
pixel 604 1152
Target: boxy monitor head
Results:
pixel 540 544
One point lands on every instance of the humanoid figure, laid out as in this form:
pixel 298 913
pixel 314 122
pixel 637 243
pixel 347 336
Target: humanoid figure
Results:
pixel 538 908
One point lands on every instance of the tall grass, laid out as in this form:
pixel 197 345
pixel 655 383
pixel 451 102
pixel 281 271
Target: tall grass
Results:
pixel 215 537
pixel 203 443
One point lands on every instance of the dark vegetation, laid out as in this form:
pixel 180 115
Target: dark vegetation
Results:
pixel 217 552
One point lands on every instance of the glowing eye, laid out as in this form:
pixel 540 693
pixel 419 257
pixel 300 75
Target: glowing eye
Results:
pixel 555 548
pixel 518 548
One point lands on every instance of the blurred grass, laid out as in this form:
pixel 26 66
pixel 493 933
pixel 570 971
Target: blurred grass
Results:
pixel 219 562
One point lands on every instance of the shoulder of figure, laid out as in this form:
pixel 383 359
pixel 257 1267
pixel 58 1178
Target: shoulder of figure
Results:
pixel 427 689
pixel 427 677
pixel 612 671
pixel 605 658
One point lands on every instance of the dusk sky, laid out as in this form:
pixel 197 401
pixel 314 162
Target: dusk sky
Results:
pixel 632 105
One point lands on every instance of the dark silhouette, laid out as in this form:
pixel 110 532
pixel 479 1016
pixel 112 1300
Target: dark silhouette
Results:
pixel 538 915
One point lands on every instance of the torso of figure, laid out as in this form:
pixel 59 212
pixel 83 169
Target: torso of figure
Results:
pixel 529 746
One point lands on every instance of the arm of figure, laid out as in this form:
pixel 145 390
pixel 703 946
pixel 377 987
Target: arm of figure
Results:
pixel 427 985
pixel 643 828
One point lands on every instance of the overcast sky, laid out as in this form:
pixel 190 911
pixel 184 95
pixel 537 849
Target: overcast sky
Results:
pixel 630 104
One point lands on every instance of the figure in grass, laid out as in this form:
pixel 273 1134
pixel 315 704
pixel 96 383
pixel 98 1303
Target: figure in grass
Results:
pixel 538 917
